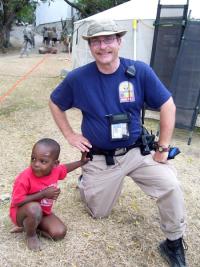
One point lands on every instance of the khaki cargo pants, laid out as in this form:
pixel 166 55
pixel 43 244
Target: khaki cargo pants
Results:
pixel 101 186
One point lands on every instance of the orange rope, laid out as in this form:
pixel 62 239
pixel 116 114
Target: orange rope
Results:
pixel 24 77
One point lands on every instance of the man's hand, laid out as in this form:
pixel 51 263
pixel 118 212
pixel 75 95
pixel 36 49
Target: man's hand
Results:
pixel 79 141
pixel 160 157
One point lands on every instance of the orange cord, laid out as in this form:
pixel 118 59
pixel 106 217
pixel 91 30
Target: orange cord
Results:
pixel 24 77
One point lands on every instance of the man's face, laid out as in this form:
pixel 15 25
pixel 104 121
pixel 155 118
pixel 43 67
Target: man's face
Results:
pixel 42 160
pixel 105 49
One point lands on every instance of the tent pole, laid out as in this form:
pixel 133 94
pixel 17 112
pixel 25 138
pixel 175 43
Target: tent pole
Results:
pixel 135 40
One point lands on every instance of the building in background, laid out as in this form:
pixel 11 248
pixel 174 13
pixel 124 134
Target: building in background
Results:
pixel 50 14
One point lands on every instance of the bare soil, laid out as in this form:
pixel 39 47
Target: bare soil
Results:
pixel 130 236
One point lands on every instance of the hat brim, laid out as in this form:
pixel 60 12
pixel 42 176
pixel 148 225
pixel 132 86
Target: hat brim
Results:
pixel 120 33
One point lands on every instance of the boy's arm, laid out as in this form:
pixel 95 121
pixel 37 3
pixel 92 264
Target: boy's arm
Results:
pixel 50 192
pixel 74 165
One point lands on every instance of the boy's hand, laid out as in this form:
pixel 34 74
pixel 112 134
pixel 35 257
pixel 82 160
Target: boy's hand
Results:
pixel 51 192
pixel 84 158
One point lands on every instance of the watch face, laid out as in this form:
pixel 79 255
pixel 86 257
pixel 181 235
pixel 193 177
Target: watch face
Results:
pixel 163 149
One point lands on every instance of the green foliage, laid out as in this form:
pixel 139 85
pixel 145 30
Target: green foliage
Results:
pixel 91 7
pixel 27 13
pixel 87 8
pixel 12 10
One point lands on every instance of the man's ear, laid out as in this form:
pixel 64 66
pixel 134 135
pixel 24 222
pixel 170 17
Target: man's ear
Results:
pixel 56 162
pixel 119 40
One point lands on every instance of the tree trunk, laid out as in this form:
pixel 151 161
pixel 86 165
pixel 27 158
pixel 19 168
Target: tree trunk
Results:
pixel 4 38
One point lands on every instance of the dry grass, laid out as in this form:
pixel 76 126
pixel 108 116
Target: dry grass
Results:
pixel 129 237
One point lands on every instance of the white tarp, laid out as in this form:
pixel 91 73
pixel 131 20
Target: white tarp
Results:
pixel 144 11
pixel 52 12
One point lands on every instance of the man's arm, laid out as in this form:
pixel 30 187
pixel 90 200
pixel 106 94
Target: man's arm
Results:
pixel 74 139
pixel 167 122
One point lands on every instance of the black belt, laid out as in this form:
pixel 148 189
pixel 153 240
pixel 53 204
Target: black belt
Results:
pixel 110 153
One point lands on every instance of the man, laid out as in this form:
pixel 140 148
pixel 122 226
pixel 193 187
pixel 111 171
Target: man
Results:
pixel 27 34
pixel 111 92
pixel 27 44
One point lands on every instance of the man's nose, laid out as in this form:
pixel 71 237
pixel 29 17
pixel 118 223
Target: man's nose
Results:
pixel 102 44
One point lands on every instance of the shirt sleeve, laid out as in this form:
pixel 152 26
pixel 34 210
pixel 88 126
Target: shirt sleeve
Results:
pixel 155 92
pixel 62 95
pixel 20 190
pixel 62 171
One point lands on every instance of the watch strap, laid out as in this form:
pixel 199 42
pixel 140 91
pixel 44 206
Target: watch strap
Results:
pixel 162 148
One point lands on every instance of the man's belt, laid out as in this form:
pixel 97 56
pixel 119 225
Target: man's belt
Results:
pixel 110 153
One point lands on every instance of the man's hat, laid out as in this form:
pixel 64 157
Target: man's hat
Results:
pixel 103 27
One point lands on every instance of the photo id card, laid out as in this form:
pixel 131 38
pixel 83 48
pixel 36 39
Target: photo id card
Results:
pixel 119 131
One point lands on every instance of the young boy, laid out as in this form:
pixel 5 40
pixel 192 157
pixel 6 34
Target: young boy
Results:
pixel 34 191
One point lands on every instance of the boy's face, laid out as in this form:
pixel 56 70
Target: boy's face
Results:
pixel 42 160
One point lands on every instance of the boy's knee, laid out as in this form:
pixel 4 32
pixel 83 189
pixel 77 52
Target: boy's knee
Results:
pixel 34 210
pixel 59 233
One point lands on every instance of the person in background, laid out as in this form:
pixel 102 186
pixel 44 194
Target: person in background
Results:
pixel 34 191
pixel 46 36
pixel 54 36
pixel 27 43
pixel 111 92
pixel 33 37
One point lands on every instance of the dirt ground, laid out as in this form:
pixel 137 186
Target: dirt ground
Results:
pixel 130 236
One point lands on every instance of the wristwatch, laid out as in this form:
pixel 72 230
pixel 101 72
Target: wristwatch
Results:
pixel 162 149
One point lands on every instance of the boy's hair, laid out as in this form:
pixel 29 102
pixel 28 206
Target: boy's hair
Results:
pixel 52 144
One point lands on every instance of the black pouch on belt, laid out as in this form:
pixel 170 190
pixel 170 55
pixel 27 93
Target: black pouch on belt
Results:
pixel 119 126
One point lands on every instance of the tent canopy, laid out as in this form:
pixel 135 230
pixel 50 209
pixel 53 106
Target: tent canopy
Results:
pixel 137 43
pixel 134 9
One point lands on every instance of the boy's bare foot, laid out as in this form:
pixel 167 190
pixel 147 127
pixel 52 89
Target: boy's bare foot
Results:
pixel 16 229
pixel 33 243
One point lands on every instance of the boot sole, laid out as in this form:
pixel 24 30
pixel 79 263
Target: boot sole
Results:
pixel 163 254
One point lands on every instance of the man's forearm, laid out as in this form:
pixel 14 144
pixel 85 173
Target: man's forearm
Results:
pixel 167 122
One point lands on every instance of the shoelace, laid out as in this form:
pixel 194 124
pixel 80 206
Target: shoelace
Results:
pixel 185 246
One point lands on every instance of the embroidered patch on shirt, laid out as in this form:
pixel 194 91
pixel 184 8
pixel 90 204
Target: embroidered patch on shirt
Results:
pixel 126 92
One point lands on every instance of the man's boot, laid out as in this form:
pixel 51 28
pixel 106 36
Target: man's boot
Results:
pixel 173 252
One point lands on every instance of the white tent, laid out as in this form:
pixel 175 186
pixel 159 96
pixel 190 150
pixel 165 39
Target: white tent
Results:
pixel 137 43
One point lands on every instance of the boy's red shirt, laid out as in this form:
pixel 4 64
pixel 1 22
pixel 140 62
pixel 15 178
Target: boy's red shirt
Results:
pixel 26 183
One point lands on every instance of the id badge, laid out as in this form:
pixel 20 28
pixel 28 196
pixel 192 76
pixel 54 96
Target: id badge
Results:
pixel 119 126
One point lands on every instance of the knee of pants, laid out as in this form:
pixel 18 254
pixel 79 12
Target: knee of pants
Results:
pixel 98 213
pixel 168 178
pixel 93 205
pixel 173 183
pixel 170 187
pixel 97 209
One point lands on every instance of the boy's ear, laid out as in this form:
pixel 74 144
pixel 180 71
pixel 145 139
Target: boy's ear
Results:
pixel 56 162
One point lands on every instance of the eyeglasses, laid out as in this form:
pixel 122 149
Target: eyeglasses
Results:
pixel 107 41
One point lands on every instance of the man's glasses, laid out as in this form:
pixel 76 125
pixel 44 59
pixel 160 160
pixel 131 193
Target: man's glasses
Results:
pixel 107 41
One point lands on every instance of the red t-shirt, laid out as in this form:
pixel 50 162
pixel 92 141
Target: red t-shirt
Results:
pixel 27 183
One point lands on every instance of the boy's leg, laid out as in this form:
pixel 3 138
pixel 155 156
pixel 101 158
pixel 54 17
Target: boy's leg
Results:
pixel 52 227
pixel 29 216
